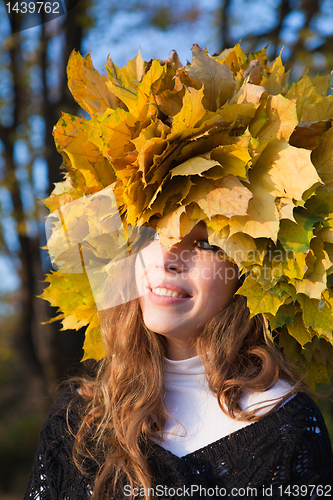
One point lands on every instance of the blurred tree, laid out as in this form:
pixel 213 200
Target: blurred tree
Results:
pixel 302 28
pixel 32 95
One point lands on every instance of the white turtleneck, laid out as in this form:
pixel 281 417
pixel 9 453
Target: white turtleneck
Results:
pixel 196 419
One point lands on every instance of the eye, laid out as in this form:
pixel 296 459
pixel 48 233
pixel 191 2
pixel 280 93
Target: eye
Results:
pixel 204 245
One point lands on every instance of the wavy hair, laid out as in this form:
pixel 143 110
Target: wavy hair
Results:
pixel 124 406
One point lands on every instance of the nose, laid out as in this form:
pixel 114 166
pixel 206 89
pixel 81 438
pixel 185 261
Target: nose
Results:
pixel 172 259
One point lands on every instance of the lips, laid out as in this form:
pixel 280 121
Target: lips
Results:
pixel 168 293
pixel 166 286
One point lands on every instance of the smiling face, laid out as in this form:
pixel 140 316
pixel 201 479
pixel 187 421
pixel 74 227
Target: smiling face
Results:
pixel 182 288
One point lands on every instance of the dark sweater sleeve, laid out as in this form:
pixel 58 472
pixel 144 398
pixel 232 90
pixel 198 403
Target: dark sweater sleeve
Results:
pixel 306 447
pixel 285 455
pixel 54 475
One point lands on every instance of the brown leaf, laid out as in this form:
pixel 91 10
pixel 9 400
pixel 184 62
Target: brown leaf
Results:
pixel 216 78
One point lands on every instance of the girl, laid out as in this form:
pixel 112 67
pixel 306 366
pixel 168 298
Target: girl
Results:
pixel 192 397
pixel 192 400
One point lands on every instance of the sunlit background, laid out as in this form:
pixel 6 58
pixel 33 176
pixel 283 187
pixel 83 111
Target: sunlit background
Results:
pixel 35 358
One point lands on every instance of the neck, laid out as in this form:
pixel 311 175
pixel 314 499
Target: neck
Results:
pixel 178 351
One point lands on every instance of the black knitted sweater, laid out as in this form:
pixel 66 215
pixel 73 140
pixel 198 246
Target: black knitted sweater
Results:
pixel 284 455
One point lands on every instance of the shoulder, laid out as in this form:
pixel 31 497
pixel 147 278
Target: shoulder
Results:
pixel 304 419
pixel 54 474
pixel 62 421
pixel 302 440
pixel 290 446
pixel 302 413
pixel 266 400
pixel 296 422
pixel 68 404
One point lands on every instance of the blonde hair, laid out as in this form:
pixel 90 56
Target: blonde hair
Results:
pixel 124 402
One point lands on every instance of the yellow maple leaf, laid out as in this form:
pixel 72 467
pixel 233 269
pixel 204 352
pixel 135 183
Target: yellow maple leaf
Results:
pixel 227 196
pixel 87 86
pixel 277 121
pixel 123 82
pixel 136 67
pixel 314 284
pixel 233 115
pixel 169 225
pixel 262 220
pixel 288 170
pixel 71 293
pixel 290 264
pixel 317 108
pixel 306 88
pixel 318 262
pixel 191 112
pixel 248 93
pixel 93 345
pixel 193 166
pixel 234 58
pixel 240 247
pixel 258 299
pixel 299 331
pixel 111 131
pixel 150 83
pixel 277 78
pixel 235 159
pixel 322 158
pixel 83 154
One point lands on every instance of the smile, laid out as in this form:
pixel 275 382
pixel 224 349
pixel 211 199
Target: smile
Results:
pixel 169 293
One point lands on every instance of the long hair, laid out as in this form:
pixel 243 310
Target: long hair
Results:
pixel 124 403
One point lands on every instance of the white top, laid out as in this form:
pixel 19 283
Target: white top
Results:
pixel 196 419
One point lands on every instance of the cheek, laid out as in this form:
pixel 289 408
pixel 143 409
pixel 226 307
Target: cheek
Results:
pixel 221 284
pixel 149 267
pixel 139 276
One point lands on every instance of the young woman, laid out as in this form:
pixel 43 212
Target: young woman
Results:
pixel 193 399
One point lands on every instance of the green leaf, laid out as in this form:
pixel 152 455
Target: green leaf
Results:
pixel 297 236
pixel 285 314
pixel 318 314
